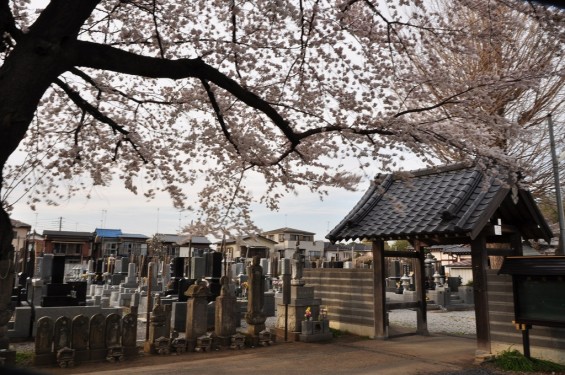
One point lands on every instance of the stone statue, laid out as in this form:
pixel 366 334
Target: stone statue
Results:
pixel 225 282
pixel 297 267
pixel 256 294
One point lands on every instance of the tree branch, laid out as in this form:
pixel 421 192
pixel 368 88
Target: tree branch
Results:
pixel 95 112
pixel 97 56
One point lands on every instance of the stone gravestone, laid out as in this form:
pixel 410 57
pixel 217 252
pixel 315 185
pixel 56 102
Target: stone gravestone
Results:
pixel 300 297
pixel 62 342
pixel 255 317
pixel 96 340
pixel 197 268
pixel 62 333
pixel 196 309
pixel 79 338
pixel 58 270
pixel 129 333
pixel 226 306
pixel 113 338
pixel 158 337
pixel 47 267
pixel 44 342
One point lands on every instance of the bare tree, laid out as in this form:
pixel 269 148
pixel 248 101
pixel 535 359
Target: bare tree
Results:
pixel 212 95
pixel 516 44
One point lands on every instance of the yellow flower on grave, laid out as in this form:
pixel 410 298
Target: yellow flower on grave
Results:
pixel 308 313
pixel 245 285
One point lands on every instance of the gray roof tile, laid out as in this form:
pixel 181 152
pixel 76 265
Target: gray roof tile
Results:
pixel 454 200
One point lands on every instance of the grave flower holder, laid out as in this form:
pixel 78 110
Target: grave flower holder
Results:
pixel 237 341
pixel 266 338
pixel 203 344
pixel 162 345
pixel 115 354
pixel 66 357
pixel 178 345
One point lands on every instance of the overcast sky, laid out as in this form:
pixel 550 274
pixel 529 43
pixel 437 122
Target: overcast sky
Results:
pixel 117 208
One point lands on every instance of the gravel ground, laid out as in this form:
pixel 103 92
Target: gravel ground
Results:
pixel 439 321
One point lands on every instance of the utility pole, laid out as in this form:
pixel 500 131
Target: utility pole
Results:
pixel 554 159
pixel 60 223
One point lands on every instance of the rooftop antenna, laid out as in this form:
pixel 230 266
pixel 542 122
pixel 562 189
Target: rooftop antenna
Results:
pixel 157 220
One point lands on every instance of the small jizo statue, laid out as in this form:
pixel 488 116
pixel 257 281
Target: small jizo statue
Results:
pixel 256 294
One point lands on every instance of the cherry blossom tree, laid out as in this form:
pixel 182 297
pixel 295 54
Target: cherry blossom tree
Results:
pixel 211 96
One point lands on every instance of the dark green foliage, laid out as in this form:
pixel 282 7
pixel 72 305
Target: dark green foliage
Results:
pixel 513 360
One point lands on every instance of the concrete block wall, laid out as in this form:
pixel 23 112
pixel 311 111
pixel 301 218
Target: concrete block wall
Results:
pixel 348 296
pixel 545 342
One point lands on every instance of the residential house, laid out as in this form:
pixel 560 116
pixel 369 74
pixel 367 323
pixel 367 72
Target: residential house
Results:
pixel 248 247
pixel 339 252
pixel 20 231
pixel 288 239
pixel 132 244
pixel 75 246
pixel 184 245
pixel 106 242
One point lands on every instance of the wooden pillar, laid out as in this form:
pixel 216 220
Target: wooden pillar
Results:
pixel 480 265
pixel 379 291
pixel 516 243
pixel 420 283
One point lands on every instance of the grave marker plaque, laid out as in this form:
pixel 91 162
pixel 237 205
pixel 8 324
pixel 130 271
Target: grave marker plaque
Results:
pixel 96 334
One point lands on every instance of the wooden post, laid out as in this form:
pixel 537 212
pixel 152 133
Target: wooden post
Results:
pixel 420 283
pixel 379 295
pixel 480 265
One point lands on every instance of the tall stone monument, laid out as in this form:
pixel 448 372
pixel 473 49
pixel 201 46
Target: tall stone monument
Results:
pixel 291 314
pixel 196 310
pixel 255 317
pixel 226 313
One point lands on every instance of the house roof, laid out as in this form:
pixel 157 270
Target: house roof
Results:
pixel 50 234
pixel 451 201
pixel 108 233
pixel 19 224
pixel 288 230
pixel 328 246
pixel 247 239
pixel 183 239
pixel 133 236
pixel 452 249
pixel 465 263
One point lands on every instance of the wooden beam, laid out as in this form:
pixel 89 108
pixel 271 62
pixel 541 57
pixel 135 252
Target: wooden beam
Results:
pixel 479 260
pixel 379 290
pixel 400 254
pixel 420 284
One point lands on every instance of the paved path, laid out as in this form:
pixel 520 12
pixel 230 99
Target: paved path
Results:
pixel 346 355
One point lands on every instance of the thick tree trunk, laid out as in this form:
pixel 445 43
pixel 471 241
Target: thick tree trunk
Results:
pixel 37 59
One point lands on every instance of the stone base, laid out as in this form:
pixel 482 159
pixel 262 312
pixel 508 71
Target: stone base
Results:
pixel 130 351
pixel 42 359
pixel 315 330
pixel 315 337
pixel 82 356
pixel 8 357
pixel 255 329
pixel 190 345
pixel 98 354
pixel 291 336
pixel 223 341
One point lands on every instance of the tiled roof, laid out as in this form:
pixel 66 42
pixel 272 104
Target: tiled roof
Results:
pixel 133 235
pixel 59 233
pixel 19 224
pixel 287 230
pixel 451 200
pixel 183 239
